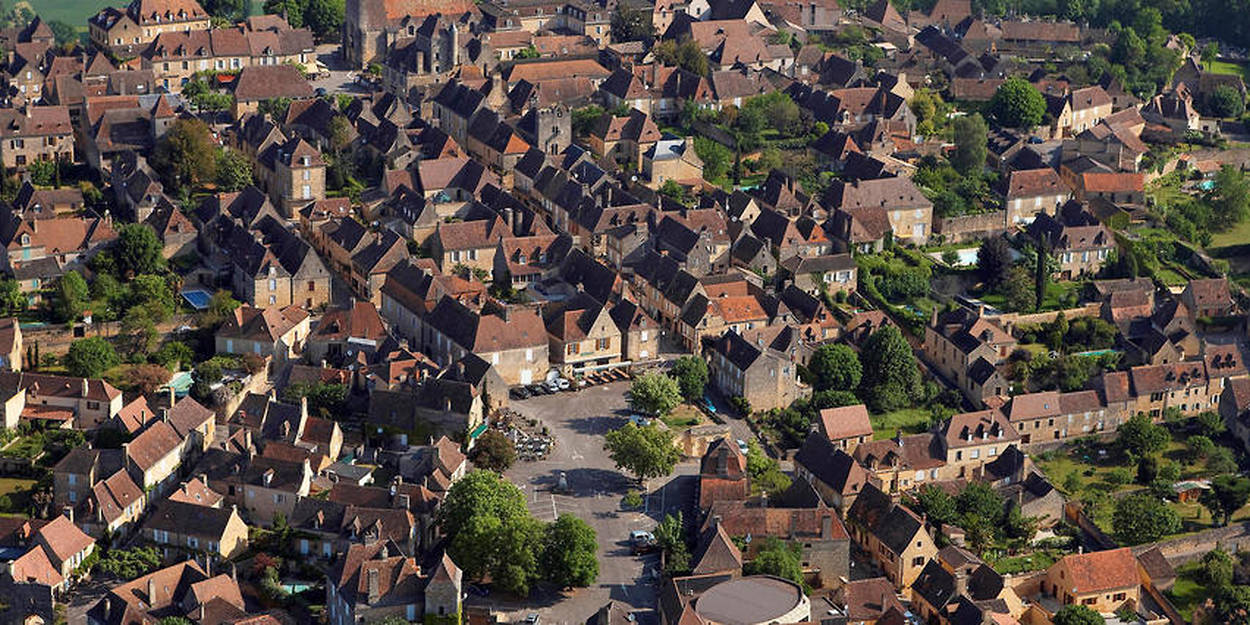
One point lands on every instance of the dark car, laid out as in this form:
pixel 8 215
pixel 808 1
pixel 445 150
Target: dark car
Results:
pixel 519 392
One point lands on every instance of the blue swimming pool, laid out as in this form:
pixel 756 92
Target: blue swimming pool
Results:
pixel 197 298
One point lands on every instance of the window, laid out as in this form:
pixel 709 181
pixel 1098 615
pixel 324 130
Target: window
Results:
pixel 601 344
pixel 193 542
pixel 917 561
pixel 1119 596
pixel 273 284
pixel 307 191
pixel 307 175
pixel 974 454
pixel 93 405
pixel 73 479
pixel 573 349
pixel 312 286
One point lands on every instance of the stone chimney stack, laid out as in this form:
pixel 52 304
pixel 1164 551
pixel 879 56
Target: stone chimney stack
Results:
pixel 372 581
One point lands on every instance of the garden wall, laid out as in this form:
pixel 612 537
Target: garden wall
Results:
pixel 1092 309
pixel 255 383
pixel 970 227
pixel 1189 548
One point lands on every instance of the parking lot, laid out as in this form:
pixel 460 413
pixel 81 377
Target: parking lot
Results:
pixel 577 422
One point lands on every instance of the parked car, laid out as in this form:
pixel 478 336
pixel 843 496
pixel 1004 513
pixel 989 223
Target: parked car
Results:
pixel 537 389
pixel 563 384
pixel 743 447
pixel 639 420
pixel 531 619
pixel 520 392
pixel 553 386
pixel 641 541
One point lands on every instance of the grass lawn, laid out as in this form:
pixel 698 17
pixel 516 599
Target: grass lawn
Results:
pixel 1228 67
pixel 1170 278
pixel 1188 591
pixel 72 12
pixel 10 485
pixel 910 420
pixel 1036 561
pixel 17 491
pixel 1237 235
pixel 683 416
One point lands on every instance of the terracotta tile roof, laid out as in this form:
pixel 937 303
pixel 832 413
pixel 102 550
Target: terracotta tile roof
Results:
pixel 739 309
pixel 35 121
pixel 1100 570
pixel 868 599
pixel 845 422
pixel 918 452
pixel 188 415
pixel 361 321
pixel 153 444
pixel 536 72
pixel 1088 98
pixel 261 82
pixel 1023 183
pixel 63 540
pixel 1042 31
pixel 157 11
pixel 262 324
pixel 739 519
pixel 1149 379
pixel 113 495
pixel 196 491
pixel 57 386
pixel 1209 292
pixel 1108 182
pixel 34 567
pixel 975 428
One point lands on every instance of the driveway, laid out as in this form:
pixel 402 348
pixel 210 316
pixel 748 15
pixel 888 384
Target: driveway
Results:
pixel 577 422
pixel 341 78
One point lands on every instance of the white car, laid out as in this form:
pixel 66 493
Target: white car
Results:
pixel 563 384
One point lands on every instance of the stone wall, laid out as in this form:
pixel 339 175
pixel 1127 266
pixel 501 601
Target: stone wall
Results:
pixel 970 227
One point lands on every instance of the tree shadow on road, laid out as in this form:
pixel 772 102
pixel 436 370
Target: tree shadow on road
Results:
pixel 596 424
pixel 676 494
pixel 585 482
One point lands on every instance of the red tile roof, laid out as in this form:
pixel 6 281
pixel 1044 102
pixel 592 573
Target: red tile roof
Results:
pixel 1100 570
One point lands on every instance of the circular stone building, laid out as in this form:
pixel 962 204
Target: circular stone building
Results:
pixel 754 600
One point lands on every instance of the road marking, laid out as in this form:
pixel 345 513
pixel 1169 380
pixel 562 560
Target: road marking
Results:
pixel 554 515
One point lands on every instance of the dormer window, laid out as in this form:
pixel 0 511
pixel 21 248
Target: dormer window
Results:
pixel 25 239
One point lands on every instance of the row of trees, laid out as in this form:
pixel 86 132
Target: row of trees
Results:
pixel 985 516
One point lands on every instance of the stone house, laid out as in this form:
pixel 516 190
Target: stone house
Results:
pixel 672 160
pixel 826 544
pixel 624 139
pixel 177 527
pixel 902 463
pixel 830 471
pixel 846 427
pixel 1103 581
pixel 152 458
pixel 581 334
pixel 375 581
pixel 955 576
pixel 87 403
pixel 1079 110
pixel 276 332
pixel 1076 239
pixel 967 348
pixel 1183 385
pixel 765 377
pixel 1051 415
pixel 832 274
pixel 185 588
pixel 35 133
pixel 65 545
pixel 970 440
pixel 722 474
pixel 894 537
pixel 258 83
pixel 910 214
pixel 1208 297
pixel 513 340
pixel 1027 192
pixel 127 30
pixel 640 334
pixel 344 333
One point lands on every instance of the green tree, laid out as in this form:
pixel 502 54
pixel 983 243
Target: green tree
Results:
pixel 1147 469
pixel 173 355
pixel 1221 461
pixel 971 144
pixel 570 553
pixel 153 290
pixel 779 559
pixel 1229 197
pixel 891 378
pixel 1140 437
pixel 1143 518
pixel 138 250
pixel 765 471
pixel 691 375
pixel 1018 290
pixel 186 156
pixel 654 394
pixel 686 55
pixel 490 532
pixel 228 9
pixel 43 173
pixel 220 306
pixel 1210 53
pixel 1217 568
pixel 139 333
pixel 493 451
pixel 1226 101
pixel 647 452
pixel 292 10
pixel 935 503
pixel 64 34
pixel 993 261
pixel 584 119
pixel 1077 615
pixel 71 297
pixel 12 301
pixel 1017 104
pixel 670 536
pixel 630 23
pixel 1210 423
pixel 324 400
pixel 234 170
pixel 1199 447
pixel 1227 495
pixel 835 367
pixel 324 17
pixel 90 357
pixel 717 159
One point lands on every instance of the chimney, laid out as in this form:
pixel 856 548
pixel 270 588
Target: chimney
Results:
pixel 84 387
pixel 234 572
pixel 372 577
pixel 68 511
pixel 826 530
pixel 151 592
pixel 165 415
pixel 172 396
pixel 764 499
pixel 961 583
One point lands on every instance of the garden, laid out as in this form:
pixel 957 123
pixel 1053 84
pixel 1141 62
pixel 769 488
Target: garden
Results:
pixel 1130 487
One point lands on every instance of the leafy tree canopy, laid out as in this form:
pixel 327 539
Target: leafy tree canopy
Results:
pixel 1018 104
pixel 646 452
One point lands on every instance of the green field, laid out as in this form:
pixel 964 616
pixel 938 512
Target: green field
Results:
pixel 72 12
pixel 1237 235
pixel 1226 67
pixel 1188 592
pixel 910 420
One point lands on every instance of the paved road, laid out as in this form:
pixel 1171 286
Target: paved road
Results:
pixel 578 422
